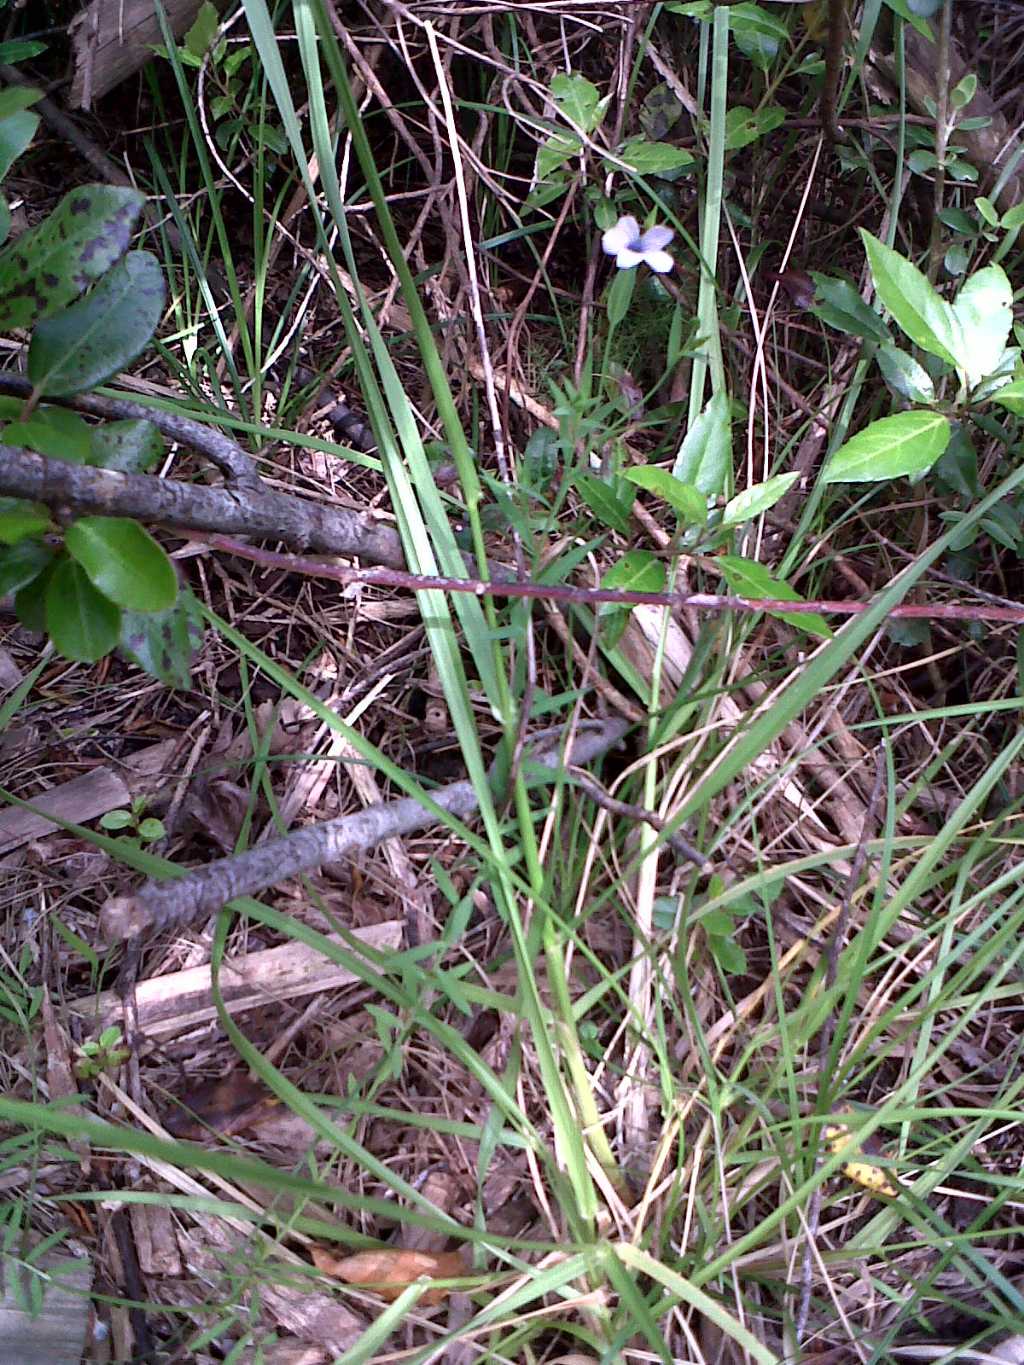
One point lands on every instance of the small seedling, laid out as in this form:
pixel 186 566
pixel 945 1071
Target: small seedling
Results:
pixel 101 1054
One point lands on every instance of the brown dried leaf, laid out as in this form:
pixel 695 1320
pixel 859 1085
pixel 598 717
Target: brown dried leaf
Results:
pixel 226 1106
pixel 387 1271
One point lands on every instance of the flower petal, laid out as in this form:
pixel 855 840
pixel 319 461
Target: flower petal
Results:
pixel 655 238
pixel 659 261
pixel 625 233
pixel 628 259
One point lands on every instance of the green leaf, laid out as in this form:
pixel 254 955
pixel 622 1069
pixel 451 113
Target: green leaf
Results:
pixel 52 431
pixel 839 305
pixel 620 295
pixel 660 112
pixel 52 264
pixel 743 126
pixel 20 519
pixel 705 456
pixel 20 50
pixel 1013 219
pixel 116 819
pixel 554 153
pixel 100 335
pixel 957 470
pixel 757 499
pixel 16 132
pixel 688 501
pixel 164 643
pixel 5 220
pixel 22 564
pixel 730 956
pixel 17 97
pixel 579 100
pixel 759 35
pixel 131 446
pixel 611 510
pixel 636 571
pixel 904 375
pixel 1011 397
pixel 916 308
pixel 82 623
pixel 202 33
pixel 984 310
pixel 904 445
pixel 123 561
pixel 747 578
pixel 653 158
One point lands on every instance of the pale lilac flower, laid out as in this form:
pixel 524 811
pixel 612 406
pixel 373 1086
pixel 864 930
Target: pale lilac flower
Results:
pixel 630 246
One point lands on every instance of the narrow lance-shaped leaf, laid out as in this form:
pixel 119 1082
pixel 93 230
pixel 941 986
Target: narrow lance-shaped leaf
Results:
pixel 904 445
pixel 100 335
pixel 926 318
pixel 52 264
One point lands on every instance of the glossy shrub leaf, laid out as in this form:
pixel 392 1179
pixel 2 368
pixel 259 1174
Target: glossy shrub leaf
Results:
pixel 747 578
pixel 22 564
pixel 610 509
pixel 16 132
pixel 984 310
pixel 904 375
pixel 132 446
pixel 1011 397
pixel 52 431
pixel 688 501
pixel 52 264
pixel 164 643
pixel 20 519
pixel 839 305
pixel 916 308
pixel 123 561
pixel 760 497
pixel 705 456
pixel 97 337
pixel 82 623
pixel 902 446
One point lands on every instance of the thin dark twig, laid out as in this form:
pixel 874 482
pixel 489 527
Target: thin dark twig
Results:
pixel 562 592
pixel 676 842
pixel 160 905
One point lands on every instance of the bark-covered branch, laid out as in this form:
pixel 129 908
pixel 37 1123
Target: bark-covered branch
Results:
pixel 219 448
pixel 164 904
pixel 242 508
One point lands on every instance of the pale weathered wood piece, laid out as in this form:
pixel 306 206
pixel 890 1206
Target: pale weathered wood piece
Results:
pixel 180 1001
pixel 112 39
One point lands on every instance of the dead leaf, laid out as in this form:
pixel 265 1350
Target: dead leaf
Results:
pixel 388 1271
pixel 226 1106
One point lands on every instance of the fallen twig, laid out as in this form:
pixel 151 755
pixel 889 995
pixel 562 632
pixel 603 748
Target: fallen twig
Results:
pixel 161 905
pixel 243 508
pixel 220 449
pixel 564 592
